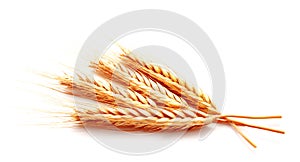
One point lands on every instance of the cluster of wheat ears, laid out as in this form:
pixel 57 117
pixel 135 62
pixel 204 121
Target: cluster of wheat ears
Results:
pixel 133 94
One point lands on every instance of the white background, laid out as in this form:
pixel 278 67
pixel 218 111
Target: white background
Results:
pixel 258 42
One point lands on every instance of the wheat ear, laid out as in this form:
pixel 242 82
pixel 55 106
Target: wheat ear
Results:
pixel 140 83
pixel 140 78
pixel 135 119
pixel 163 76
pixel 103 92
pixel 136 81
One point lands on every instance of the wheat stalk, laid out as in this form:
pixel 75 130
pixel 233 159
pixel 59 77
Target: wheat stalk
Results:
pixel 136 95
pixel 141 110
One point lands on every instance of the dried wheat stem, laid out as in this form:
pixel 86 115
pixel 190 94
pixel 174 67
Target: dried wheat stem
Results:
pixel 242 134
pixel 253 117
pixel 250 125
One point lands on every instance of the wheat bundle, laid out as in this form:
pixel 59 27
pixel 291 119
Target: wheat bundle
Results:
pixel 136 95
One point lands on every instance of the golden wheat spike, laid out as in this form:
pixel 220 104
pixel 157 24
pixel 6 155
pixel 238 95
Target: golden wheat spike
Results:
pixel 131 81
pixel 135 119
pixel 100 92
pixel 139 77
pixel 143 85
pixel 176 85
